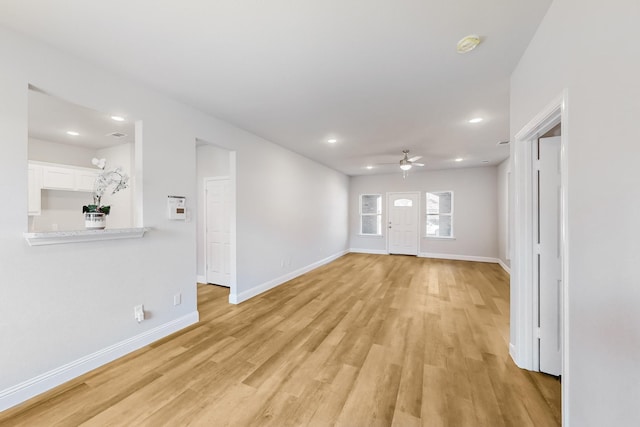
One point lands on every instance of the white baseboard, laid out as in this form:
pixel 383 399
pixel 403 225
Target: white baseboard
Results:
pixel 27 389
pixel 513 353
pixel 257 290
pixel 459 257
pixel 504 266
pixel 369 251
pixel 201 279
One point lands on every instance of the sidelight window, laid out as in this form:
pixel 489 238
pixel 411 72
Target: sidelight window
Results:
pixel 440 214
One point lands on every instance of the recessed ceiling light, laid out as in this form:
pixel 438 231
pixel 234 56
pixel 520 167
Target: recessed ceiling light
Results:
pixel 476 120
pixel 117 118
pixel 459 159
pixel 332 141
pixel 468 43
pixel 369 167
pixel 72 133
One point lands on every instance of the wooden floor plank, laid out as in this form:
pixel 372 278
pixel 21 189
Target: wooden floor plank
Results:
pixel 368 340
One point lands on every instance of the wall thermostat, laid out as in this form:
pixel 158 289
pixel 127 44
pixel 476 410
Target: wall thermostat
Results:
pixel 177 207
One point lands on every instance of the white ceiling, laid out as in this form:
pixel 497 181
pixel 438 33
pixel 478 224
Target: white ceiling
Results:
pixel 50 118
pixel 380 76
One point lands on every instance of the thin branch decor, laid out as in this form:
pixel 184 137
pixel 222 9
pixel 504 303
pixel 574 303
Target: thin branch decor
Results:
pixel 115 179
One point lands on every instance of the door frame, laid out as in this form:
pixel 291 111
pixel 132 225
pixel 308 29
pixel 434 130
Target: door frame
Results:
pixel 388 195
pixel 523 346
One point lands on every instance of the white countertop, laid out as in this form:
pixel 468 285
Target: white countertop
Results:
pixel 78 236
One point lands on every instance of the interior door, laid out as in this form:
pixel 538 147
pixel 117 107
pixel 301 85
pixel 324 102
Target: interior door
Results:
pixel 218 232
pixel 403 223
pixel 549 256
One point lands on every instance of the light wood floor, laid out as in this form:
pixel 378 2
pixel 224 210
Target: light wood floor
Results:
pixel 367 340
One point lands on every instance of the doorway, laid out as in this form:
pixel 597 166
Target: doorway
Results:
pixel 524 346
pixel 216 164
pixel 403 223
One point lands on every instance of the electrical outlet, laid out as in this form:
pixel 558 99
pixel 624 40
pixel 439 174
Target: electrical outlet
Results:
pixel 177 299
pixel 138 313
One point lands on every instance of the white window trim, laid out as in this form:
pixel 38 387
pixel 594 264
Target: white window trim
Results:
pixel 360 215
pixel 426 215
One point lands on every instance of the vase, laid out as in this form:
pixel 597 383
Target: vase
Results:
pixel 95 220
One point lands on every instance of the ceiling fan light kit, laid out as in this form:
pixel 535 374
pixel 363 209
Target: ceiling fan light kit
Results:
pixel 407 163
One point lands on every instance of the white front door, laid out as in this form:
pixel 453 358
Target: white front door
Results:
pixel 549 256
pixel 218 231
pixel 403 209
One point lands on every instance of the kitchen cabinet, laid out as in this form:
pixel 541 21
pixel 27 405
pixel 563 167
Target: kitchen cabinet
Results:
pixel 52 176
pixel 58 178
pixel 35 190
pixel 85 180
pixel 66 177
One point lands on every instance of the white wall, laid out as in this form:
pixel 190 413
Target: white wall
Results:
pixel 475 210
pixel 60 211
pixel 64 154
pixel 211 161
pixel 590 48
pixel 504 174
pixel 62 305
pixel 292 209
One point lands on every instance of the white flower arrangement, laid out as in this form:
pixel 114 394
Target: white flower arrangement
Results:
pixel 116 179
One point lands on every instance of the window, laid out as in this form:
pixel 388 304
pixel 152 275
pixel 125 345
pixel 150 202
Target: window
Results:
pixel 371 214
pixel 440 214
pixel 403 203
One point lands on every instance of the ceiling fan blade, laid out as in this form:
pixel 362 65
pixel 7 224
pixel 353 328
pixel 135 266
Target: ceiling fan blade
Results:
pixel 414 158
pixel 417 164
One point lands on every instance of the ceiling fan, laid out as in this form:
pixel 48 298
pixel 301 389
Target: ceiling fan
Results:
pixel 406 163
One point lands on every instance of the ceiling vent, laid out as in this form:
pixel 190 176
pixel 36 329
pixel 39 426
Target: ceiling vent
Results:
pixel 117 135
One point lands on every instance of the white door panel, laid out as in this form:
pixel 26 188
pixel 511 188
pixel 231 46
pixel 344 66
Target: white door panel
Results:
pixel 550 267
pixel 218 232
pixel 403 224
